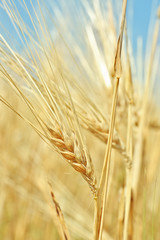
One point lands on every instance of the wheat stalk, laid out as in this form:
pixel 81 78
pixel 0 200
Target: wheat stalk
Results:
pixel 103 187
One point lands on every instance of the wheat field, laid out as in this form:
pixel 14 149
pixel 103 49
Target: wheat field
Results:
pixel 79 123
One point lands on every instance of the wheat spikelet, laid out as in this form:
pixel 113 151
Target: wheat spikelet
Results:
pixel 66 145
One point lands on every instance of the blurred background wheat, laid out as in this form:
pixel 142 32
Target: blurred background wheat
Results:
pixel 58 68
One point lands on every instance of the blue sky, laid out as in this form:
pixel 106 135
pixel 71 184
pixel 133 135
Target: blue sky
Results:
pixel 139 13
pixel 144 11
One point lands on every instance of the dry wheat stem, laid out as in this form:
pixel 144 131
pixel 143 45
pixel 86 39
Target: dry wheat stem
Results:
pixel 102 190
pixel 103 186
